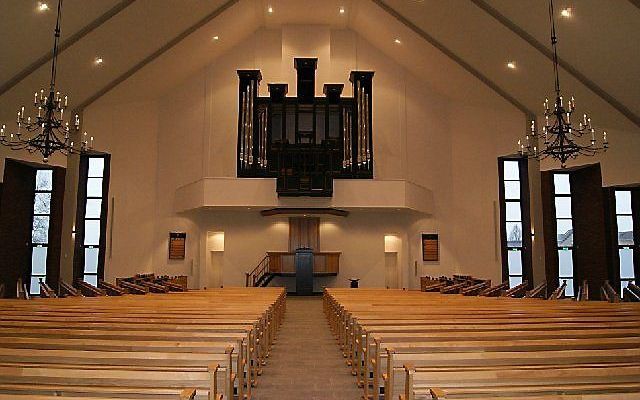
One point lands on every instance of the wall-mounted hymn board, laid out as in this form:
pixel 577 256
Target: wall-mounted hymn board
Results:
pixel 430 250
pixel 177 245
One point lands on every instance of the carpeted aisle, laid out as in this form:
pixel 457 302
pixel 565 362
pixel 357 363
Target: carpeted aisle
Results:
pixel 305 362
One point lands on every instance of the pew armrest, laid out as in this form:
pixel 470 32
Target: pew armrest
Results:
pixel 437 393
pixel 188 394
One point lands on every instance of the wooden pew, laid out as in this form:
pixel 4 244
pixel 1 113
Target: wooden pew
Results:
pixel 426 325
pixel 111 290
pixel 88 290
pixel 539 291
pixel 67 290
pixel 182 332
pixel 46 291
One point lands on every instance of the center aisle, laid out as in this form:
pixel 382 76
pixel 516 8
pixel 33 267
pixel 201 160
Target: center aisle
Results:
pixel 305 362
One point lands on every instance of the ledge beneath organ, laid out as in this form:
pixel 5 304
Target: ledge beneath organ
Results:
pixel 241 193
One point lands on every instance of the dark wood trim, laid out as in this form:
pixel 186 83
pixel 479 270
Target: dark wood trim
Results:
pixel 55 227
pixel 589 231
pixel 16 219
pixel 550 230
pixel 304 211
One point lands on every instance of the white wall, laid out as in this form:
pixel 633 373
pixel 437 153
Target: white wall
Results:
pixel 450 147
pixel 419 135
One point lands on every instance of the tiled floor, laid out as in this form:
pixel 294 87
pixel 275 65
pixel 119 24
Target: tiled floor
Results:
pixel 305 362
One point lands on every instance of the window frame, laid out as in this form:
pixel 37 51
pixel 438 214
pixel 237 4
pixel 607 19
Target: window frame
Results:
pixel 525 219
pixel 33 245
pixel 615 270
pixel 572 247
pixel 80 271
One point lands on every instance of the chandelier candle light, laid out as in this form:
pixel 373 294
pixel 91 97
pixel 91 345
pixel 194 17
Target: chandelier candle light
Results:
pixel 47 132
pixel 559 134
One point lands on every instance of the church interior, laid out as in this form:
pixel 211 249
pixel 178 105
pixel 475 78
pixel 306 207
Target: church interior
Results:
pixel 305 199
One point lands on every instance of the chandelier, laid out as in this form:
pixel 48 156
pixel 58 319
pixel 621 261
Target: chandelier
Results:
pixel 561 136
pixel 47 132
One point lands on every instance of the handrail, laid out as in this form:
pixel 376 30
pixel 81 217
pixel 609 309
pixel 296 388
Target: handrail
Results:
pixel 252 278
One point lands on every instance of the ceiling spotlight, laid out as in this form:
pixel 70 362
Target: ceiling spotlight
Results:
pixel 511 65
pixel 98 61
pixel 43 7
pixel 341 10
pixel 270 10
pixel 216 37
pixel 566 12
pixel 397 41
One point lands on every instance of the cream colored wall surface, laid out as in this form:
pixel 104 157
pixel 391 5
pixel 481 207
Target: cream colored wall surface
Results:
pixel 129 133
pixel 189 134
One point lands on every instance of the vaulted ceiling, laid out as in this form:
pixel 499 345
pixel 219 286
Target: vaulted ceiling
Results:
pixel 459 47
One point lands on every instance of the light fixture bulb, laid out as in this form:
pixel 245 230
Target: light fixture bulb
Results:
pixel 566 12
pixel 397 41
pixel 216 37
pixel 98 61
pixel 511 65
pixel 43 7
pixel 270 10
pixel 342 10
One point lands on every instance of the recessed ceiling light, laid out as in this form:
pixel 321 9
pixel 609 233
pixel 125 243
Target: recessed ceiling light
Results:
pixel 566 12
pixel 270 10
pixel 511 65
pixel 397 41
pixel 98 61
pixel 216 37
pixel 341 10
pixel 43 7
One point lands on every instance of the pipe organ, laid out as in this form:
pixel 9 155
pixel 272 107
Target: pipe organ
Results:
pixel 305 141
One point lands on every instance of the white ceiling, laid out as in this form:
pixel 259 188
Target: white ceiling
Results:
pixel 599 42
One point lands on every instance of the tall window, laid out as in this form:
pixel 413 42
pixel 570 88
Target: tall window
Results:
pixel 40 228
pixel 515 221
pixel 92 217
pixel 625 240
pixel 564 230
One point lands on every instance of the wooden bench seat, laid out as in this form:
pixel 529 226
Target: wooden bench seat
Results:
pixel 395 362
pixel 526 380
pixel 106 382
pixel 466 347
pixel 152 346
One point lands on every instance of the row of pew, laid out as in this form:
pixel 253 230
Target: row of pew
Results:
pixel 208 344
pixel 428 345
pixel 137 284
pixel 471 286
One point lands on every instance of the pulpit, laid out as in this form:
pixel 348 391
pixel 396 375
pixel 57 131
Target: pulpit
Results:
pixel 304 271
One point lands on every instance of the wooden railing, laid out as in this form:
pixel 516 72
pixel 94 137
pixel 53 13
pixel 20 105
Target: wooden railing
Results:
pixel 283 262
pixel 323 262
pixel 252 278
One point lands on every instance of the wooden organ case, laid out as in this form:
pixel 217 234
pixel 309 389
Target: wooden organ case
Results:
pixel 305 141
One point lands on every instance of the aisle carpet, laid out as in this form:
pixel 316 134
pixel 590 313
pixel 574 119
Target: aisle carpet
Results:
pixel 305 362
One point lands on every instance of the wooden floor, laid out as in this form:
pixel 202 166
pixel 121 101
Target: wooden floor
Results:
pixel 305 362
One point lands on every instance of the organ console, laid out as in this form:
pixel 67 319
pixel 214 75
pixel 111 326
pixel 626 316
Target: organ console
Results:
pixel 305 141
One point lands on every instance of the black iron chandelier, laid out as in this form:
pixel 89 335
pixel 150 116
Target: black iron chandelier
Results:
pixel 561 137
pixel 47 132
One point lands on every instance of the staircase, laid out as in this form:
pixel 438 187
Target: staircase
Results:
pixel 260 276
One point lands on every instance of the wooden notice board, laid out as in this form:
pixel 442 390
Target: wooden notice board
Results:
pixel 177 245
pixel 430 250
